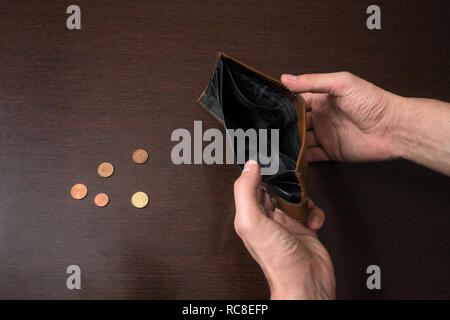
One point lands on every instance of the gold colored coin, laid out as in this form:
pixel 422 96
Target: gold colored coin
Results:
pixel 140 156
pixel 101 199
pixel 139 200
pixel 105 170
pixel 78 191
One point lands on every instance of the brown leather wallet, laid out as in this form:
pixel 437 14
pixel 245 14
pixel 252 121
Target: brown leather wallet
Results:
pixel 241 97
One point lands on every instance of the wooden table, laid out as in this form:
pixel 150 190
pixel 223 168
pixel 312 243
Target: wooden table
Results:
pixel 71 99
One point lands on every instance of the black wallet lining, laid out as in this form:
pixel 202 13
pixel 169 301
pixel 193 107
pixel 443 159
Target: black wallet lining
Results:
pixel 243 99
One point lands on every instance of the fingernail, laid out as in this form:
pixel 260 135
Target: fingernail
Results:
pixel 249 165
pixel 289 77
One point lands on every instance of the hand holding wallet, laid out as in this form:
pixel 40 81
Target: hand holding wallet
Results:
pixel 240 97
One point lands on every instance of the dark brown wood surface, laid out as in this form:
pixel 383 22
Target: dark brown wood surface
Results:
pixel 72 99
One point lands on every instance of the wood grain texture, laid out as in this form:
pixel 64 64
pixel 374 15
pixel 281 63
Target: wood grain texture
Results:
pixel 70 100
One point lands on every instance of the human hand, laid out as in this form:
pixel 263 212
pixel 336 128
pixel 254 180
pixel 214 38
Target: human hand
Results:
pixel 295 263
pixel 350 119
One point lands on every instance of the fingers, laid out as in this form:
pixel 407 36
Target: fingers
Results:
pixel 316 216
pixel 252 204
pixel 317 154
pixel 248 198
pixel 308 97
pixel 316 219
pixel 315 151
pixel 308 121
pixel 311 140
pixel 331 83
pixel 267 202
pixel 290 224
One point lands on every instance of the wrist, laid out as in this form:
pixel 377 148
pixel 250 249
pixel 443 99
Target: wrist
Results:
pixel 421 132
pixel 299 292
pixel 290 292
pixel 298 287
pixel 400 136
pixel 404 134
pixel 285 286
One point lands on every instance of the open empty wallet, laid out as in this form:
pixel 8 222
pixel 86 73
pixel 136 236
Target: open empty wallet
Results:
pixel 241 97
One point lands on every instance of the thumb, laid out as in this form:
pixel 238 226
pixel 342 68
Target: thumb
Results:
pixel 331 83
pixel 247 197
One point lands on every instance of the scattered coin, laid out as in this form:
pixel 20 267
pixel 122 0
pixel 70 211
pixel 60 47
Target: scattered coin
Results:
pixel 78 191
pixel 139 200
pixel 105 170
pixel 101 199
pixel 140 156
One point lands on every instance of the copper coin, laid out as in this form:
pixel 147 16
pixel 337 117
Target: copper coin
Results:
pixel 78 191
pixel 140 156
pixel 105 170
pixel 101 199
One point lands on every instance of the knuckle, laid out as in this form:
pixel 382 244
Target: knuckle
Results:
pixel 323 217
pixel 238 226
pixel 345 81
pixel 242 224
pixel 347 76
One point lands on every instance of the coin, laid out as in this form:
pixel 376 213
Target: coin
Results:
pixel 140 156
pixel 139 200
pixel 101 199
pixel 105 170
pixel 78 191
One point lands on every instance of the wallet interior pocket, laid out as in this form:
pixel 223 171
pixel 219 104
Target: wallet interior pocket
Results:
pixel 242 99
pixel 285 185
pixel 239 111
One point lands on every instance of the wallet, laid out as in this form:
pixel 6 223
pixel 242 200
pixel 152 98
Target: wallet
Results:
pixel 241 97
